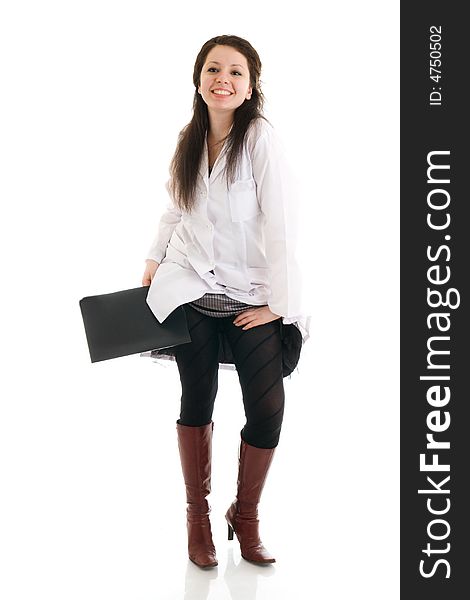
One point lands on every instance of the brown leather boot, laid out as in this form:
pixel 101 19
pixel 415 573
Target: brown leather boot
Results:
pixel 195 446
pixel 242 516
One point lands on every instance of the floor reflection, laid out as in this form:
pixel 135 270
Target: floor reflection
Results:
pixel 241 579
pixel 197 582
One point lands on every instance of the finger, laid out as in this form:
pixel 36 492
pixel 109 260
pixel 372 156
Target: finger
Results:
pixel 240 321
pixel 252 324
pixel 257 321
pixel 242 317
pixel 245 321
pixel 245 313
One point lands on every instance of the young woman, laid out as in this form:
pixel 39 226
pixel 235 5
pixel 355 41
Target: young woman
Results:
pixel 225 250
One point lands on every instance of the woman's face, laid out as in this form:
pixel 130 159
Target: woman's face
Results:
pixel 225 70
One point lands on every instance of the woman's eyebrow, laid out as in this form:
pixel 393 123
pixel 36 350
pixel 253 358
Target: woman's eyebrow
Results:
pixel 217 63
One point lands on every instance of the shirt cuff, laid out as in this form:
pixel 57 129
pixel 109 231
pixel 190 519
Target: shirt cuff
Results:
pixel 302 323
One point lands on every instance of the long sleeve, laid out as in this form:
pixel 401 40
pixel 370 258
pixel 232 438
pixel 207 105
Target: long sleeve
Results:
pixel 170 218
pixel 278 199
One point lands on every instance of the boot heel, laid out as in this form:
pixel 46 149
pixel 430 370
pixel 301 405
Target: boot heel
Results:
pixel 230 532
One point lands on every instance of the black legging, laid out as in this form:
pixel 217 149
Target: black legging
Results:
pixel 257 356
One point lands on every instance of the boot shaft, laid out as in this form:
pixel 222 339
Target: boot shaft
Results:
pixel 253 467
pixel 195 448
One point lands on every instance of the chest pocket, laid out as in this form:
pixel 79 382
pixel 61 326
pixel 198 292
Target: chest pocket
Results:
pixel 243 200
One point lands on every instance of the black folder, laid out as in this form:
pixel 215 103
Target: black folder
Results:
pixel 121 323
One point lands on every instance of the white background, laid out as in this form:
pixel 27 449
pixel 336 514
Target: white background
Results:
pixel 92 499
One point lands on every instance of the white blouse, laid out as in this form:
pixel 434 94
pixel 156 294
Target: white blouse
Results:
pixel 239 239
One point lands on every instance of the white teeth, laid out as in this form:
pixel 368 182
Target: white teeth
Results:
pixel 221 92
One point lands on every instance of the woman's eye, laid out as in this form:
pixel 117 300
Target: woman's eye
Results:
pixel 215 69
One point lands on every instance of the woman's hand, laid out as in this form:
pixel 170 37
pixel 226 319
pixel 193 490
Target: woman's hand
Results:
pixel 150 271
pixel 254 317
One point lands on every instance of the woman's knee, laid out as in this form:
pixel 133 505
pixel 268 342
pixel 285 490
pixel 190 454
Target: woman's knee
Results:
pixel 260 437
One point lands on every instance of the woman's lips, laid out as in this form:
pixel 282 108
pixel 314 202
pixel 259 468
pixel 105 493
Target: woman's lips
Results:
pixel 225 95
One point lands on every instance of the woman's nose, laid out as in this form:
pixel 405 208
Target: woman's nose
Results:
pixel 221 77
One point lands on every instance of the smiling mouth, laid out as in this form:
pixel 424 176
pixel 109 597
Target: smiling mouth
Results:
pixel 221 92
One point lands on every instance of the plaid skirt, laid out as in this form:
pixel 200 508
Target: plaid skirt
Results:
pixel 219 305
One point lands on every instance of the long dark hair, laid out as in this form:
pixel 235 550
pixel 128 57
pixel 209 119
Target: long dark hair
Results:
pixel 186 160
